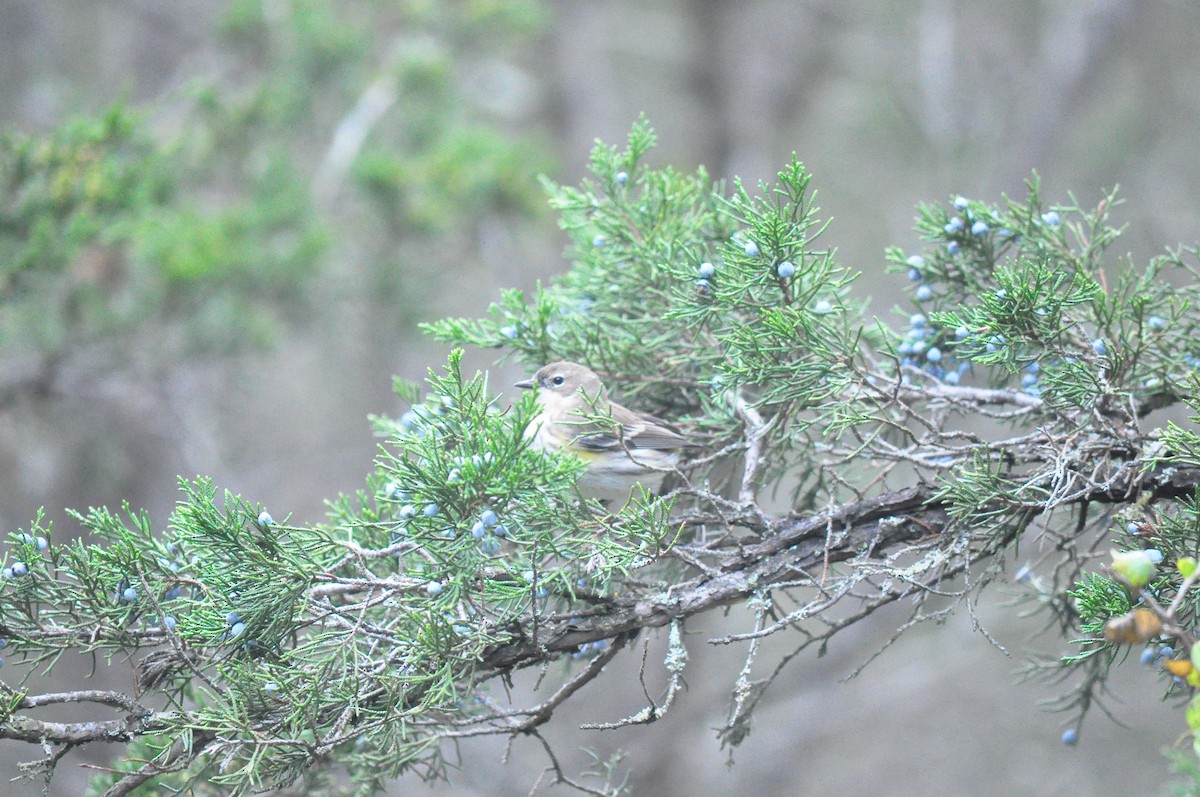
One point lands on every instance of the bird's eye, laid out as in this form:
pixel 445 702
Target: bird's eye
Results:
pixel 558 380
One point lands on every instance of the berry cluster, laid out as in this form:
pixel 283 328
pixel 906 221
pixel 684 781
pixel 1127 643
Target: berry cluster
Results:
pixel 539 591
pixel 30 546
pixel 967 227
pixel 414 518
pixel 972 227
pixel 590 650
pixel 931 349
pixel 487 529
pixel 1154 655
pixel 233 627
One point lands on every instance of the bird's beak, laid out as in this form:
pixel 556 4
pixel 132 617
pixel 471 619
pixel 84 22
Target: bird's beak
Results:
pixel 524 384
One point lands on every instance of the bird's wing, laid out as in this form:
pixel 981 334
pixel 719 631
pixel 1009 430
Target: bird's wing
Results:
pixel 636 430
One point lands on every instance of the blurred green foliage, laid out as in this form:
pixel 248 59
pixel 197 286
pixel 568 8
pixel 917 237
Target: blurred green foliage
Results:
pixel 200 222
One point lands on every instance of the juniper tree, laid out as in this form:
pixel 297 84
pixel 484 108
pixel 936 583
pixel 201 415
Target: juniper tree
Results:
pixel 847 465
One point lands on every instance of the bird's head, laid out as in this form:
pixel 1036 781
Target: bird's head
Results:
pixel 562 380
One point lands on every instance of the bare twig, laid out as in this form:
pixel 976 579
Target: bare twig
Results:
pixel 756 429
pixel 105 697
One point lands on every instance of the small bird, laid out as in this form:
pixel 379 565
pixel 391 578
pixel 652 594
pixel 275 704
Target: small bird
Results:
pixel 632 448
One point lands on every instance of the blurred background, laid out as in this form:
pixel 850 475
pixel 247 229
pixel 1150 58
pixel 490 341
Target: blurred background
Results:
pixel 223 220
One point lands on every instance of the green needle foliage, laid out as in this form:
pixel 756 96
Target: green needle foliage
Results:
pixel 847 466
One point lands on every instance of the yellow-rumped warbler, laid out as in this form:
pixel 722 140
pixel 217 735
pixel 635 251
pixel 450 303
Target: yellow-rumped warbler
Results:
pixel 621 447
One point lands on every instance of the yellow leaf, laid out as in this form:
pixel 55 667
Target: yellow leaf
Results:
pixel 1178 667
pixel 1138 626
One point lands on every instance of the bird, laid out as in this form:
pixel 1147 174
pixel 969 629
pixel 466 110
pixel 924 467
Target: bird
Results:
pixel 621 447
